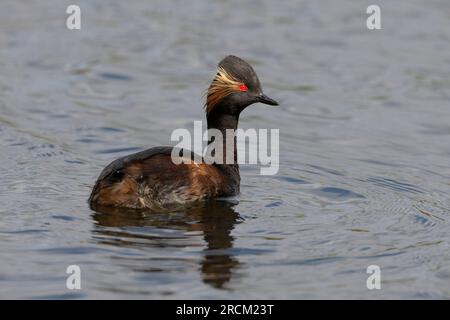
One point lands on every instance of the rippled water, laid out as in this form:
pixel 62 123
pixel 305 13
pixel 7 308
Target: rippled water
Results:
pixel 365 146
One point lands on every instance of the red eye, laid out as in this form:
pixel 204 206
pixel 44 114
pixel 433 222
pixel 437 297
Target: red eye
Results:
pixel 243 87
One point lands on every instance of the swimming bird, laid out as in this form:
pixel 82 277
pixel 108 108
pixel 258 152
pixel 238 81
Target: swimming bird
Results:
pixel 151 180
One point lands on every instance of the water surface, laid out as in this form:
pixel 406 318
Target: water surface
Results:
pixel 364 173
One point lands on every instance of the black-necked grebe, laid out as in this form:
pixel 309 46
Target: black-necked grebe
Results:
pixel 151 180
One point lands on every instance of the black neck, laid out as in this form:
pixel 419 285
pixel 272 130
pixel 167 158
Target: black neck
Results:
pixel 224 122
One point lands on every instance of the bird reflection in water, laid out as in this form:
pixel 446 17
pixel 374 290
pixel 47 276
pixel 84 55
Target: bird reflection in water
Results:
pixel 215 220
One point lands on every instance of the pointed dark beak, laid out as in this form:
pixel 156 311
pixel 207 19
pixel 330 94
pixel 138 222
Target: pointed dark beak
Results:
pixel 266 100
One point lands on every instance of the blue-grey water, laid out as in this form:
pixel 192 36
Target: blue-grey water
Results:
pixel 364 125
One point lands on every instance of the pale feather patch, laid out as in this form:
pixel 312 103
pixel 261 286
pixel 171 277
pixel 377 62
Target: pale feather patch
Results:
pixel 222 85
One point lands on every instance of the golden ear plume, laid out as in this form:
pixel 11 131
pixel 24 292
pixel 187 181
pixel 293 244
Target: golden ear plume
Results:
pixel 222 85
